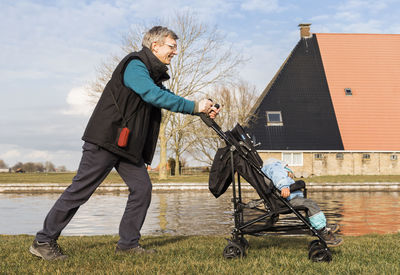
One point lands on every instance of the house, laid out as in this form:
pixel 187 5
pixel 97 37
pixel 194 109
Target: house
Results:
pixel 333 107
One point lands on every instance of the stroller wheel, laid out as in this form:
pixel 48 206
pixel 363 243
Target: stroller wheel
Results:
pixel 313 243
pixel 319 253
pixel 233 250
pixel 242 242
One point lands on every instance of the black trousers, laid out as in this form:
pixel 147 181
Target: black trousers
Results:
pixel 95 165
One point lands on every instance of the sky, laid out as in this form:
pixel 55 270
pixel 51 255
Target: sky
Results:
pixel 50 50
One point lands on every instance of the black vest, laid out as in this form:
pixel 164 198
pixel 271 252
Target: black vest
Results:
pixel 144 122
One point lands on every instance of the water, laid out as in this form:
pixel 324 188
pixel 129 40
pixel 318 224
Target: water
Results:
pixel 194 213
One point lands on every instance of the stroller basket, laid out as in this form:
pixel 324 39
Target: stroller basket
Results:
pixel 262 216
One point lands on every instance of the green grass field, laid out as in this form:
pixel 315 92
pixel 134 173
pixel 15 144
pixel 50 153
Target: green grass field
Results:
pixel 370 254
pixel 115 178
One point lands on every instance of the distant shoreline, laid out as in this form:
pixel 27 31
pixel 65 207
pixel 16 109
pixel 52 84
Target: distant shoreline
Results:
pixel 194 186
pixel 57 182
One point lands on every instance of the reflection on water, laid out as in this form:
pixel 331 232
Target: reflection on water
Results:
pixel 194 213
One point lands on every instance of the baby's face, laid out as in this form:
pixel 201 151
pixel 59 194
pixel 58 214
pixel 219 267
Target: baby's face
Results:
pixel 290 174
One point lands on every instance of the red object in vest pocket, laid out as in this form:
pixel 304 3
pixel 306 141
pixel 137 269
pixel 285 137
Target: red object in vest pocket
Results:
pixel 123 137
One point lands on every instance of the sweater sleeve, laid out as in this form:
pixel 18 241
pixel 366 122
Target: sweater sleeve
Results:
pixel 276 172
pixel 137 77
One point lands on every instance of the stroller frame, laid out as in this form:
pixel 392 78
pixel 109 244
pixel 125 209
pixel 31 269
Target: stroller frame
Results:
pixel 237 245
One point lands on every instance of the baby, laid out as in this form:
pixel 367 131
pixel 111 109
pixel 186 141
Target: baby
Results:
pixel 282 177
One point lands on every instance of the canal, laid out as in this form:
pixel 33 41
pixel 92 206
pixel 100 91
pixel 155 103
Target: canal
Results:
pixel 194 212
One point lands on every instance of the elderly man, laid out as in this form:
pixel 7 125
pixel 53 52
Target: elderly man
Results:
pixel 122 134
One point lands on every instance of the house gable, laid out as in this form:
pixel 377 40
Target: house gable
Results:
pixel 300 93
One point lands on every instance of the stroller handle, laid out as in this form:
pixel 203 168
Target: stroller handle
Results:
pixel 206 119
pixel 212 124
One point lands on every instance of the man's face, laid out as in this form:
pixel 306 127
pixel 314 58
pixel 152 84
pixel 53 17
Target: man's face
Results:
pixel 165 51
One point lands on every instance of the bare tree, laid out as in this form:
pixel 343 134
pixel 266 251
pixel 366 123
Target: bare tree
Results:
pixel 236 101
pixel 32 167
pixel 17 166
pixel 204 60
pixel 3 165
pixel 180 140
pixel 49 167
pixel 61 168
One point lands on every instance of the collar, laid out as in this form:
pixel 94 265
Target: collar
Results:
pixel 157 69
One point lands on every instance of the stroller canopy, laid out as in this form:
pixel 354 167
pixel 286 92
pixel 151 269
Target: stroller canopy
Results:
pixel 247 163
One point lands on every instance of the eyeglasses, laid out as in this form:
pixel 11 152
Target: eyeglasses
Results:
pixel 173 47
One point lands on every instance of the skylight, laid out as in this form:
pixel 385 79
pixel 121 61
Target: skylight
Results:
pixel 274 118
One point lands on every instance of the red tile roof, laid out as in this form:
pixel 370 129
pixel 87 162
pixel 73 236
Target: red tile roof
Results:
pixel 368 64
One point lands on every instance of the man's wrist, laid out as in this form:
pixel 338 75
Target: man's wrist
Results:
pixel 196 107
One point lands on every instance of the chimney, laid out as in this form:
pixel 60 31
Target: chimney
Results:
pixel 305 30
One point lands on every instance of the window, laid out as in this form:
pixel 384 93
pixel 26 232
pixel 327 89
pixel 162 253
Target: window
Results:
pixel 293 159
pixel 366 156
pixel 347 91
pixel 393 157
pixel 318 156
pixel 339 156
pixel 274 118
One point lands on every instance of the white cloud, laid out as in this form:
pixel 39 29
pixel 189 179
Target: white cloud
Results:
pixel 320 17
pixel 261 5
pixel 205 10
pixel 80 102
pixel 358 16
pixel 37 154
pixel 356 26
pixel 370 26
pixel 49 41
pixel 13 153
pixel 347 16
pixel 357 5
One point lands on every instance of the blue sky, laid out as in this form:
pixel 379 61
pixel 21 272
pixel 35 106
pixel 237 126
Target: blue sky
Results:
pixel 50 50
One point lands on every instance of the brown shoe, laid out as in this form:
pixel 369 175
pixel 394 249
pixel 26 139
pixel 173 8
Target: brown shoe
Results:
pixel 135 250
pixel 49 251
pixel 333 227
pixel 330 238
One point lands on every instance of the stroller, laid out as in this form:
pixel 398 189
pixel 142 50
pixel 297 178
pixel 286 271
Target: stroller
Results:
pixel 262 215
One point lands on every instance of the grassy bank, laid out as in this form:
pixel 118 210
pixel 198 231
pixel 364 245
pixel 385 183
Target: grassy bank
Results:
pixel 370 254
pixel 115 178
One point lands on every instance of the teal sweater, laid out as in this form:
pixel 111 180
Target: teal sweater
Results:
pixel 137 77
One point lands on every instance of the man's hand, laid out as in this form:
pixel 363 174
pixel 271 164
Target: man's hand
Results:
pixel 214 112
pixel 285 192
pixel 206 106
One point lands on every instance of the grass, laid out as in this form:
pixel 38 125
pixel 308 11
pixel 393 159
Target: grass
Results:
pixel 369 254
pixel 113 177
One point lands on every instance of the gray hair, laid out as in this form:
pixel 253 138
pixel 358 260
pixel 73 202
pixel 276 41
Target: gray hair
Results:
pixel 157 34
